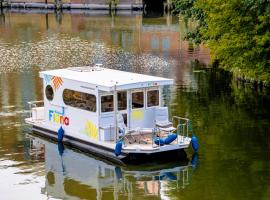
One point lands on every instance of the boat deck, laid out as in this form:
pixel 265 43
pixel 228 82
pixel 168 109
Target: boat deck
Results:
pixel 144 142
pixel 138 142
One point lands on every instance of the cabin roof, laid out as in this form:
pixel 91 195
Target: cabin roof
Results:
pixel 108 79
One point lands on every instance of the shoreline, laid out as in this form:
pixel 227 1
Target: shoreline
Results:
pixel 68 6
pixel 68 11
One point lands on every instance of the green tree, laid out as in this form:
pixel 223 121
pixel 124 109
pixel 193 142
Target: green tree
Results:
pixel 187 9
pixel 237 33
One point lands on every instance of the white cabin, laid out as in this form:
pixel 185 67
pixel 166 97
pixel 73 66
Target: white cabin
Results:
pixel 86 100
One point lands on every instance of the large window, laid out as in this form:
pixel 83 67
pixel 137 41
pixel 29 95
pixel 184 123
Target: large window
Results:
pixel 137 100
pixel 107 103
pixel 122 100
pixel 152 98
pixel 49 92
pixel 79 100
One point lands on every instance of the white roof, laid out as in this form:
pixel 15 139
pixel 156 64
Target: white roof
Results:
pixel 107 79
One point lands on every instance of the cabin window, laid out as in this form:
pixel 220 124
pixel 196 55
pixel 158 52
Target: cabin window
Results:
pixel 49 92
pixel 122 100
pixel 137 100
pixel 79 100
pixel 152 98
pixel 107 103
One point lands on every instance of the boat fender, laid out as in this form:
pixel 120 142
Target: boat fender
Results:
pixel 159 141
pixel 171 137
pixel 61 148
pixel 194 160
pixel 118 173
pixel 60 134
pixel 194 143
pixel 170 176
pixel 118 148
pixel 159 178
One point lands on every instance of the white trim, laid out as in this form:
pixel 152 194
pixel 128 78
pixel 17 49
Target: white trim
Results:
pixel 160 96
pixel 109 79
pixel 129 108
pixel 126 101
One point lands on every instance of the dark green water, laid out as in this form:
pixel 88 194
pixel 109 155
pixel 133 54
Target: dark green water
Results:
pixel 230 120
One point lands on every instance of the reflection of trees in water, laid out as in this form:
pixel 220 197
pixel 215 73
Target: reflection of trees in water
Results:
pixel 2 17
pixel 58 16
pixel 231 122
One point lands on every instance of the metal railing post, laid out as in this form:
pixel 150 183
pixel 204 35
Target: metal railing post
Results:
pixel 153 134
pixel 186 123
pixel 33 104
pixel 187 127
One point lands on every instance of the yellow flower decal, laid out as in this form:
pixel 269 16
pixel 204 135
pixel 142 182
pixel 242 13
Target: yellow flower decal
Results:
pixel 91 130
pixel 137 115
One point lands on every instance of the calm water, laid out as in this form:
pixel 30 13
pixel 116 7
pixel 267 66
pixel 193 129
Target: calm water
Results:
pixel 230 120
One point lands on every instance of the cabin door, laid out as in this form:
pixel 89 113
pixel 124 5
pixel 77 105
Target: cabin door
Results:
pixel 122 105
pixel 136 108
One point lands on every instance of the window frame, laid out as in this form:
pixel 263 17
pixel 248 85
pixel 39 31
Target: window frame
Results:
pixel 102 95
pixel 153 89
pixel 126 101
pixel 135 91
pixel 96 106
pixel 45 89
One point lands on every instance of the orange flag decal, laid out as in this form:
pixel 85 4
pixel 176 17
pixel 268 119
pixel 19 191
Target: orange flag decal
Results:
pixel 57 82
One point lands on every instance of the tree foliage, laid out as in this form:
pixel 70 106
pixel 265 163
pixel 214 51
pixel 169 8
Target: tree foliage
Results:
pixel 236 31
pixel 187 9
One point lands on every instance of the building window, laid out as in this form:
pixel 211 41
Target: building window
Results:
pixel 137 100
pixel 49 92
pixel 165 44
pixel 122 100
pixel 154 43
pixel 115 37
pixel 107 103
pixel 79 100
pixel 152 98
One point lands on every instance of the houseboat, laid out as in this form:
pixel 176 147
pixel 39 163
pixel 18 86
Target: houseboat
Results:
pixel 114 114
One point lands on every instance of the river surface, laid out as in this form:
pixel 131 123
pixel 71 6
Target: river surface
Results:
pixel 231 120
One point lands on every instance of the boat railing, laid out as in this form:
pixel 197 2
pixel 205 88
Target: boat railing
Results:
pixel 182 126
pixel 182 129
pixel 34 104
pixel 155 132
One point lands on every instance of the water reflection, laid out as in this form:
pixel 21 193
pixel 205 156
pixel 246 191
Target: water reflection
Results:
pixel 124 41
pixel 39 41
pixel 2 17
pixel 74 174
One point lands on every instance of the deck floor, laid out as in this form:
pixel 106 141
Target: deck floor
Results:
pixel 137 141
pixel 143 141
